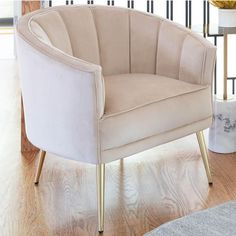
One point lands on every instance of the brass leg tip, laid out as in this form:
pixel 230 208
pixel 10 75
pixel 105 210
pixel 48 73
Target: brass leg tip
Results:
pixel 100 230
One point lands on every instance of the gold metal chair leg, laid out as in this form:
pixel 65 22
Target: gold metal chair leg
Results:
pixel 204 152
pixel 40 166
pixel 100 195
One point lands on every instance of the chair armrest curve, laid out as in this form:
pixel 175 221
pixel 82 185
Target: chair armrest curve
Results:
pixel 63 102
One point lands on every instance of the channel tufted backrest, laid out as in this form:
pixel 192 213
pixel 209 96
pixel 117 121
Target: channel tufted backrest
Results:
pixel 111 37
pixel 123 41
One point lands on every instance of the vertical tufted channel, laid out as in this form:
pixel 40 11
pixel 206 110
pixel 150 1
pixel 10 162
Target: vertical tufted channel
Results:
pixel 82 31
pixel 112 26
pixel 191 69
pixel 170 43
pixel 144 31
pixel 194 67
pixel 53 26
pixel 39 32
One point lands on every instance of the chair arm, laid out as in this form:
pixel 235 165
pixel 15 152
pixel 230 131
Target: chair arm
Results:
pixel 197 60
pixel 63 100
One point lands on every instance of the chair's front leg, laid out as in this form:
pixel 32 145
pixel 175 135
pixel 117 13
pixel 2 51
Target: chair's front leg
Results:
pixel 40 166
pixel 203 149
pixel 100 195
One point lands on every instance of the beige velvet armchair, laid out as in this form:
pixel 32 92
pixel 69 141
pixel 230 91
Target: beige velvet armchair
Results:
pixel 111 82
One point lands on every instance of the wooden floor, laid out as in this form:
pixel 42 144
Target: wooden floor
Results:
pixel 142 191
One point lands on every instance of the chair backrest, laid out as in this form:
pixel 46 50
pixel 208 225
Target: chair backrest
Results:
pixel 118 39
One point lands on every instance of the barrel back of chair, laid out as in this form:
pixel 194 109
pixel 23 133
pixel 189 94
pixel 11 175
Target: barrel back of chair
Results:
pixel 118 39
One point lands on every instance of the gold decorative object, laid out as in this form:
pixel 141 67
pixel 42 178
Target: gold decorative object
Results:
pixel 231 4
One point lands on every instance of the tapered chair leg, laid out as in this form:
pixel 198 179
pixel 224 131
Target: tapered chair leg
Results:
pixel 100 195
pixel 204 152
pixel 40 166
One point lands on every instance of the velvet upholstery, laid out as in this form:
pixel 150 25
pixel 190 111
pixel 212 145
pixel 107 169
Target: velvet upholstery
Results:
pixel 54 27
pixel 83 34
pixel 144 110
pixel 109 82
pixel 144 31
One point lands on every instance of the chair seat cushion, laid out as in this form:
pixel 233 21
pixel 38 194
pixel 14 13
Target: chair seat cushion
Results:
pixel 139 106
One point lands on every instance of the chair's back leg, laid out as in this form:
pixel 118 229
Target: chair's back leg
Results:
pixel 204 152
pixel 40 166
pixel 100 195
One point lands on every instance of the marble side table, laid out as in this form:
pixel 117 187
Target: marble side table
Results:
pixel 222 133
